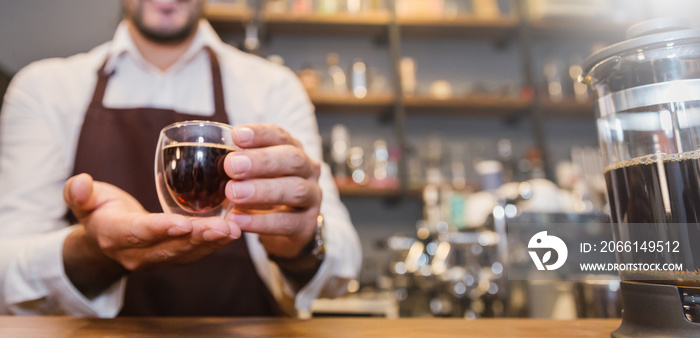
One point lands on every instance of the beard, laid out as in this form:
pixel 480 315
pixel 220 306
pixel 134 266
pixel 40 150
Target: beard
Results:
pixel 167 36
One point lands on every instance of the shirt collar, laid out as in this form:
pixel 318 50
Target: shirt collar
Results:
pixel 122 45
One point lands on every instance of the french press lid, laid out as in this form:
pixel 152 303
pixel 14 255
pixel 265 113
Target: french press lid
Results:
pixel 644 35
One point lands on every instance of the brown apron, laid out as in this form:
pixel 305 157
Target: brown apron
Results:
pixel 118 146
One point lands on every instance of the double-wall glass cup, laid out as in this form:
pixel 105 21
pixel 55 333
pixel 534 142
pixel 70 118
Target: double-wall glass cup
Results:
pixel 189 168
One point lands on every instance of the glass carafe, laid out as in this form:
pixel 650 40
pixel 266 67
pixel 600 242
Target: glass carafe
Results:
pixel 647 102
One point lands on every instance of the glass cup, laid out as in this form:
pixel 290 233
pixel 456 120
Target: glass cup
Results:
pixel 189 168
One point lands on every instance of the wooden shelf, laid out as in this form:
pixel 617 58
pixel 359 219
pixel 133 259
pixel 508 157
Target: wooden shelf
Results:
pixel 568 108
pixel 375 24
pixel 374 103
pixel 487 105
pixel 229 17
pixel 363 191
pixel 578 29
pixel 472 105
pixel 463 26
pixel 362 24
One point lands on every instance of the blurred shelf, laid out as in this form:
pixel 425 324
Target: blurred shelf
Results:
pixel 353 190
pixel 486 105
pixel 227 16
pixel 573 29
pixel 361 24
pixel 568 109
pixel 374 103
pixel 467 105
pixel 462 26
pixel 362 191
pixel 375 24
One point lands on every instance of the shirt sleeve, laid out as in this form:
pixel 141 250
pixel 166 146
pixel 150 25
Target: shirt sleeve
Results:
pixel 33 169
pixel 293 111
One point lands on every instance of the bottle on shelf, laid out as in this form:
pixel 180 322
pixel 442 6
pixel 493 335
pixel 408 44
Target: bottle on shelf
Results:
pixel 380 160
pixel 570 9
pixel 383 166
pixel 309 78
pixel 235 3
pixel 302 6
pixel 276 6
pixel 432 209
pixel 451 9
pixel 505 156
pixel 251 43
pixel 392 169
pixel 358 79
pixel 355 6
pixel 459 191
pixel 335 82
pixel 407 69
pixel 553 75
pixel 433 194
pixel 486 9
pixel 328 6
pixel 351 165
pixel 441 89
pixel 580 90
pixel 357 166
pixel 340 149
pixel 420 8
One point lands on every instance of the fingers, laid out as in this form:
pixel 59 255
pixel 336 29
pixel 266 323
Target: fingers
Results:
pixel 152 242
pixel 78 194
pixel 290 191
pixel 150 229
pixel 208 235
pixel 214 229
pixel 258 135
pixel 274 161
pixel 172 252
pixel 279 223
pixel 147 229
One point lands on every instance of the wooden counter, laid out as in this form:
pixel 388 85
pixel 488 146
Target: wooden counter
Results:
pixel 320 327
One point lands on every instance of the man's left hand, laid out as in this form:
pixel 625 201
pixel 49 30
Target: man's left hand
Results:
pixel 274 188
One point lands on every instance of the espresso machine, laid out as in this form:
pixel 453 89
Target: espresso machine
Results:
pixel 647 102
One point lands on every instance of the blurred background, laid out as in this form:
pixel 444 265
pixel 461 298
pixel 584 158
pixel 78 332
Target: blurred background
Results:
pixel 443 122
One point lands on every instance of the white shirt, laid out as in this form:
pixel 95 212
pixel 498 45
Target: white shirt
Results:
pixel 40 124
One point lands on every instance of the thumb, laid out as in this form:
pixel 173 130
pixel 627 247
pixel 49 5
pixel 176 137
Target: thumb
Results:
pixel 78 194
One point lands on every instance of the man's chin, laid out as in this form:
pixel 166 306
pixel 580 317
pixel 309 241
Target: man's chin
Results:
pixel 167 36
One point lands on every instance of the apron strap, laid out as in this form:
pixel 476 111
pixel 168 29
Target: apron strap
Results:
pixel 217 82
pixel 101 86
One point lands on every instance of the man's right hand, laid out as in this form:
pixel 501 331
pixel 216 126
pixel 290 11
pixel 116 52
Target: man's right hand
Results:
pixel 117 235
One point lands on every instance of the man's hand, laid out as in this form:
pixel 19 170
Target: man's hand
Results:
pixel 117 235
pixel 274 188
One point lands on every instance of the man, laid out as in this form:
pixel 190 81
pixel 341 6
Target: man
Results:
pixel 100 113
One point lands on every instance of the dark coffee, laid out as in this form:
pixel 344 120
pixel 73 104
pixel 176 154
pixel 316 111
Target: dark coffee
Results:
pixel 194 174
pixel 660 188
